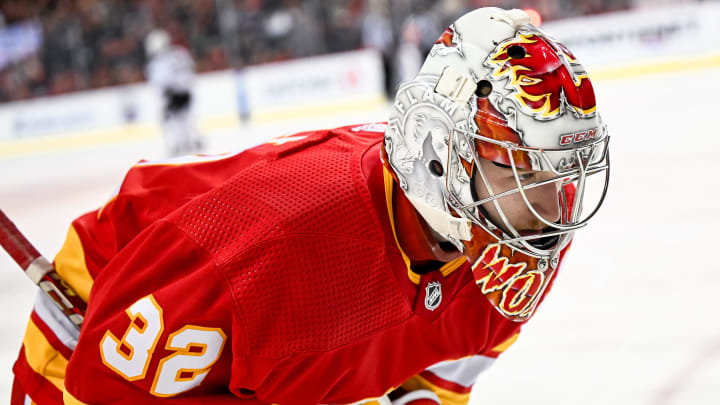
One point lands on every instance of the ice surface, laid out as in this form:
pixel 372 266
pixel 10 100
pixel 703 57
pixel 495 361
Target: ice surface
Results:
pixel 632 318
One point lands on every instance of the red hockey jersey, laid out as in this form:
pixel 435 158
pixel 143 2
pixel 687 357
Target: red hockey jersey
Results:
pixel 269 276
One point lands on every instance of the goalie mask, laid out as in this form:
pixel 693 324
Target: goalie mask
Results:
pixel 497 91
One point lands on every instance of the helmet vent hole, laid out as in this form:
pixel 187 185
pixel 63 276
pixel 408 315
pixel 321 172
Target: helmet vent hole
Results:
pixel 516 52
pixel 484 88
pixel 436 168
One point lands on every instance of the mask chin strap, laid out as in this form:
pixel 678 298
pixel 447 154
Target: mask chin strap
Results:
pixel 441 222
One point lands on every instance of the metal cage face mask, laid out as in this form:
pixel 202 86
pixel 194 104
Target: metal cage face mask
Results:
pixel 571 170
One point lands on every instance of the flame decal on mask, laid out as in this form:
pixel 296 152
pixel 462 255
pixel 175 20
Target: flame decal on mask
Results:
pixel 492 124
pixel 449 42
pixel 547 81
pixel 513 289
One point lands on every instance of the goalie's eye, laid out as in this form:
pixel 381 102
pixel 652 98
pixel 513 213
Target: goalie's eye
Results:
pixel 526 176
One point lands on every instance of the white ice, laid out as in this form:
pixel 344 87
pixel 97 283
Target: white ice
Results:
pixel 632 318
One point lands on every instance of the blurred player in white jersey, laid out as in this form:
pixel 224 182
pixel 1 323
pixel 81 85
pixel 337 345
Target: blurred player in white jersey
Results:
pixel 171 69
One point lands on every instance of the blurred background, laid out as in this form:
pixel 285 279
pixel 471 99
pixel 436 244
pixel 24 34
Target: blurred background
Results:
pixel 632 318
pixel 55 47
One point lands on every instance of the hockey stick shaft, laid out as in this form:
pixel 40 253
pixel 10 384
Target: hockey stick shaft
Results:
pixel 40 271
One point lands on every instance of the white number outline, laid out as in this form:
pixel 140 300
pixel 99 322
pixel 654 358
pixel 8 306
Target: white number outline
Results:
pixel 133 333
pixel 110 348
pixel 198 374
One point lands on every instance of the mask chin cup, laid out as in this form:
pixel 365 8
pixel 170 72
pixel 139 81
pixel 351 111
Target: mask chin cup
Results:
pixel 545 243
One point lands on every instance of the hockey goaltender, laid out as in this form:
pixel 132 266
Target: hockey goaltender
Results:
pixel 379 263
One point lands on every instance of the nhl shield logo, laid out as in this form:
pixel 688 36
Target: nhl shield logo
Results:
pixel 433 295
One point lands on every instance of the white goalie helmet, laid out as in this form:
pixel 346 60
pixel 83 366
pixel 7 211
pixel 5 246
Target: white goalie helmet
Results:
pixel 156 41
pixel 496 87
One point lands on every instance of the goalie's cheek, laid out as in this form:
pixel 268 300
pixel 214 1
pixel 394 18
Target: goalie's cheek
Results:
pixel 545 201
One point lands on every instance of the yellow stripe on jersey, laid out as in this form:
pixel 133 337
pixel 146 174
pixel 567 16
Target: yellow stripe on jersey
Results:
pixel 414 277
pixel 446 269
pixel 70 265
pixel 42 357
pixel 68 399
pixel 506 344
pixel 446 396
pixel 449 267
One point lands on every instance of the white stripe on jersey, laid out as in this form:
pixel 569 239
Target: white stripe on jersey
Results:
pixel 54 318
pixel 186 159
pixel 462 371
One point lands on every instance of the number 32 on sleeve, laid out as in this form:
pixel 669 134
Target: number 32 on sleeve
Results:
pixel 196 349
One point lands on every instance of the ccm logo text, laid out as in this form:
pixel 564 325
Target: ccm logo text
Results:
pixel 578 137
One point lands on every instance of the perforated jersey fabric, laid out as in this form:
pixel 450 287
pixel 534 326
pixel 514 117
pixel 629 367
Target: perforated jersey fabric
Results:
pixel 297 236
pixel 307 185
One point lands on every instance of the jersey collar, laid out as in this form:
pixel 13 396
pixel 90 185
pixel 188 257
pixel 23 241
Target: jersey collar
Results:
pixel 446 269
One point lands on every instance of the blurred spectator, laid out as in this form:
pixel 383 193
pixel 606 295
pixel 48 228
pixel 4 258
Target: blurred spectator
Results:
pixel 171 70
pixel 377 33
pixel 88 44
pixel 409 56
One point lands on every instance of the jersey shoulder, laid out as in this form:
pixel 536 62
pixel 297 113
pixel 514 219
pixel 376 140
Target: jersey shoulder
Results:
pixel 298 237
pixel 306 183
